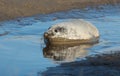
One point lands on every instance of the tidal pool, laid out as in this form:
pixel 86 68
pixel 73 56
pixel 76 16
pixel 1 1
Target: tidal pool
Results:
pixel 22 48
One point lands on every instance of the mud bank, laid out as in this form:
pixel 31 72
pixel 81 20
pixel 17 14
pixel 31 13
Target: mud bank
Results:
pixel 99 65
pixel 10 9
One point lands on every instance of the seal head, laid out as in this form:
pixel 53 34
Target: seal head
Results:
pixel 74 31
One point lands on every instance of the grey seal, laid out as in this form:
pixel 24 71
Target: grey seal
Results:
pixel 75 31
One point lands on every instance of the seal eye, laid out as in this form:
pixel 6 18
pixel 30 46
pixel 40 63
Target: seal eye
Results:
pixel 56 30
pixel 59 29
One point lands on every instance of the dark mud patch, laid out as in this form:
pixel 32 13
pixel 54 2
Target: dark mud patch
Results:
pixel 98 65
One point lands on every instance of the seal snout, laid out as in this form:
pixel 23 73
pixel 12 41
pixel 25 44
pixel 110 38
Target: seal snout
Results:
pixel 48 34
pixel 45 34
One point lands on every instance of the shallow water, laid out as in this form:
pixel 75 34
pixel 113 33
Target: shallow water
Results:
pixel 21 40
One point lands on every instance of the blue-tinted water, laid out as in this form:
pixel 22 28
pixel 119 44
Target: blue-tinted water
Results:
pixel 21 40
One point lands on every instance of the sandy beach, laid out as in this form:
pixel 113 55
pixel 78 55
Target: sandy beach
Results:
pixel 10 9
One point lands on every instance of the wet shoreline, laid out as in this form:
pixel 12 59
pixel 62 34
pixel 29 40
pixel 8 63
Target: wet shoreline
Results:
pixel 21 8
pixel 98 65
pixel 22 52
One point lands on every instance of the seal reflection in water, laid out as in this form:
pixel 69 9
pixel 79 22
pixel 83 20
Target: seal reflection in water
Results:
pixel 65 53
pixel 75 31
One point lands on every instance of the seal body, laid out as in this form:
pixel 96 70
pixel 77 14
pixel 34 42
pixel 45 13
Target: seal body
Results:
pixel 74 31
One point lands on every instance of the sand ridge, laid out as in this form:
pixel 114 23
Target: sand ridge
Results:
pixel 10 9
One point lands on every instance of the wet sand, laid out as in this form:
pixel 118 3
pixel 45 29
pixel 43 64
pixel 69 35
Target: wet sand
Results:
pixel 10 9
